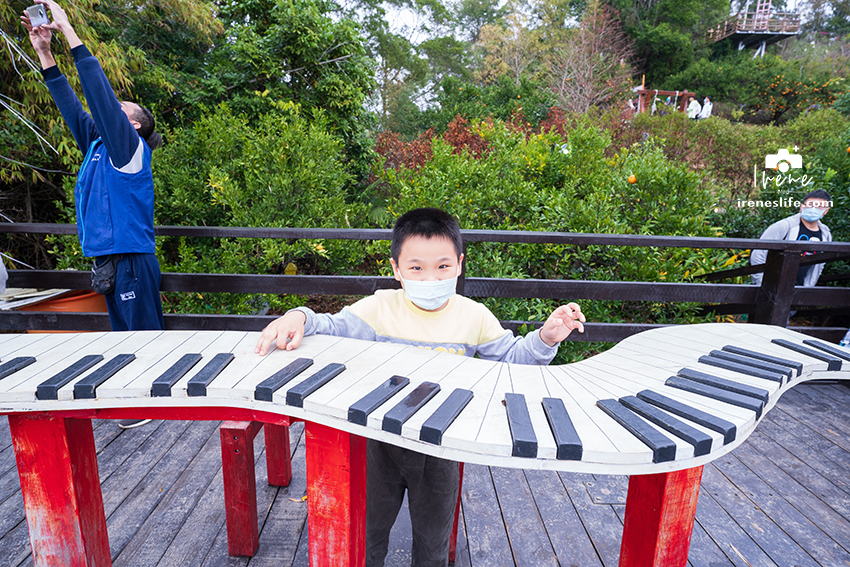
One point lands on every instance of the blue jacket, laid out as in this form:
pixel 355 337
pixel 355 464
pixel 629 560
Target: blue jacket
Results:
pixel 114 195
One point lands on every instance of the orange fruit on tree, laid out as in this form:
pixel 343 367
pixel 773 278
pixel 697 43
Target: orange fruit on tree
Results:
pixel 632 178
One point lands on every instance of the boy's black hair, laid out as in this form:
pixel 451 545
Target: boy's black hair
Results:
pixel 427 222
pixel 148 126
pixel 817 194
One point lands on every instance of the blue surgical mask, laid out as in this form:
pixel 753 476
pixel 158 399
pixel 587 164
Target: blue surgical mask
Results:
pixel 429 295
pixel 812 214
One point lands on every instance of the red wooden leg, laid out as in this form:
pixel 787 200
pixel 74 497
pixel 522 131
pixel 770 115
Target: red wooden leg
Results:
pixel 278 455
pixel 336 495
pixel 57 464
pixel 660 510
pixel 240 488
pixel 453 538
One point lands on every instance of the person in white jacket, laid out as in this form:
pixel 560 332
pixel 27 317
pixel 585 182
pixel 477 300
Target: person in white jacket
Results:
pixel 805 225
pixel 706 109
pixel 694 108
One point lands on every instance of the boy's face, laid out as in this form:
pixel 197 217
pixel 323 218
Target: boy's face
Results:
pixel 426 259
pixel 815 202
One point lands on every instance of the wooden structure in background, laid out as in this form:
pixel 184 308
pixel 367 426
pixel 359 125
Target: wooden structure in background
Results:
pixel 759 28
pixel 679 100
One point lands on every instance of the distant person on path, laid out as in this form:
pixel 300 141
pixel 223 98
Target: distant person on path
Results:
pixel 694 108
pixel 114 195
pixel 706 109
pixel 805 225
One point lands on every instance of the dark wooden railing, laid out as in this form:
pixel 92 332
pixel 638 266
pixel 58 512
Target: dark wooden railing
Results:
pixel 769 303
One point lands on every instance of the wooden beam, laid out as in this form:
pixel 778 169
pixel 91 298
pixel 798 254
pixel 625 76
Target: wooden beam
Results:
pixel 60 484
pixel 240 487
pixel 336 497
pixel 660 510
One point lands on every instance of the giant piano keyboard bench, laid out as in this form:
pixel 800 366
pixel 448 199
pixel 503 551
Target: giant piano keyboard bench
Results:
pixel 658 406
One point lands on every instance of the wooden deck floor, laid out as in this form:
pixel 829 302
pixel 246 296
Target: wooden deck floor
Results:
pixel 782 498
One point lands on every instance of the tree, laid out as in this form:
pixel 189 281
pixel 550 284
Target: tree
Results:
pixel 591 67
pixel 510 50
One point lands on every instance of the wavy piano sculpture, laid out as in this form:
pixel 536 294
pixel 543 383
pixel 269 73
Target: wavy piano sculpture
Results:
pixel 659 404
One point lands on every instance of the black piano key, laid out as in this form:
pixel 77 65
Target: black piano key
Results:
pixel 404 410
pixel 435 426
pixel 798 366
pixel 519 421
pixel 707 420
pixel 265 390
pixel 740 400
pixel 785 371
pixel 295 395
pixel 834 350
pixel 724 384
pixel 87 387
pixel 10 367
pixel 49 389
pixel 360 410
pixel 161 387
pixel 197 385
pixel 749 370
pixel 663 448
pixel 699 439
pixel 568 442
pixel 833 364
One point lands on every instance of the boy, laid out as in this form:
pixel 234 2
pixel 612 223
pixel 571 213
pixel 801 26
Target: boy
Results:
pixel 427 255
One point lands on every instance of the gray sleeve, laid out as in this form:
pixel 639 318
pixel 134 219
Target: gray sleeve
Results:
pixel 776 231
pixel 342 324
pixel 529 349
pixel 3 276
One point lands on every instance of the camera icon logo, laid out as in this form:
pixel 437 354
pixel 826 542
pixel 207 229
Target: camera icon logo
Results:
pixel 783 160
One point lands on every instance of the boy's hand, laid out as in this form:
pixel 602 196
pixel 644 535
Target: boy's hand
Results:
pixel 286 333
pixel 561 323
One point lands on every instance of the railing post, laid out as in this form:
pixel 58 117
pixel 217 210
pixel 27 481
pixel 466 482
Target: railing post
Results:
pixel 461 279
pixel 773 302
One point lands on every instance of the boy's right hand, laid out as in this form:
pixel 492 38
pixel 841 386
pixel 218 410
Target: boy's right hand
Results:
pixel 285 332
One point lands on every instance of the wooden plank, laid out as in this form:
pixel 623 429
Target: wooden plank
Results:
pixel 563 525
pixel 530 544
pixel 738 547
pixel 758 525
pixel 817 528
pixel 146 521
pixel 600 521
pixel 196 539
pixel 488 539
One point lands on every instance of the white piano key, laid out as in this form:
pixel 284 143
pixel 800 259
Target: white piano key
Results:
pixel 433 370
pixel 636 377
pixel 321 349
pixel 684 450
pixel 464 375
pixel 249 368
pixel 55 360
pixel 151 361
pixel 493 430
pixel 132 343
pixel 462 433
pixel 532 383
pixel 224 343
pixel 15 345
pixel 679 357
pixel 401 364
pixel 627 447
pixel 358 379
pixel 47 349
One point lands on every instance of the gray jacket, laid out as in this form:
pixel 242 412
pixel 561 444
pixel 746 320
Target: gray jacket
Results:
pixel 788 229
pixel 3 276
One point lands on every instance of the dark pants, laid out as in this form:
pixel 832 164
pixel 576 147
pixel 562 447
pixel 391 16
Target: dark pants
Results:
pixel 135 304
pixel 431 485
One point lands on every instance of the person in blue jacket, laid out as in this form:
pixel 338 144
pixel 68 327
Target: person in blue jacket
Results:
pixel 114 194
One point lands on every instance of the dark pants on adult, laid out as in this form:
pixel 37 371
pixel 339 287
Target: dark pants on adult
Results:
pixel 135 305
pixel 431 485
